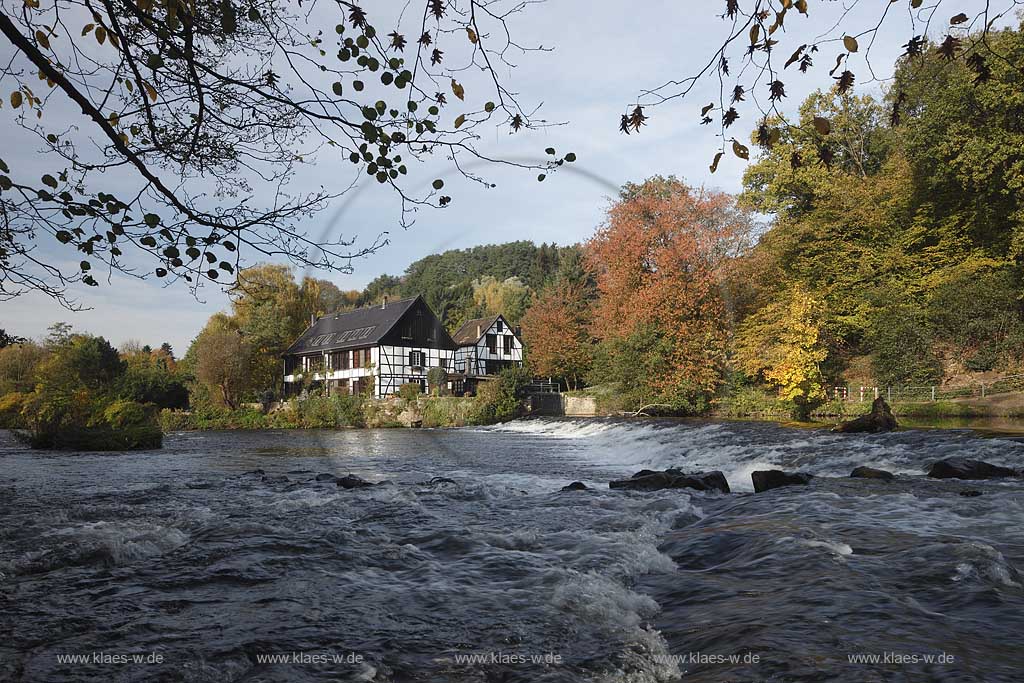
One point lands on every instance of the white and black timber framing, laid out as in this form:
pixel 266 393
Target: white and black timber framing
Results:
pixel 388 344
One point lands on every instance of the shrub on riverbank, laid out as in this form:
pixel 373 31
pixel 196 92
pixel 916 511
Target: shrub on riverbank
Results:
pixel 10 410
pixel 750 401
pixel 447 411
pixel 500 399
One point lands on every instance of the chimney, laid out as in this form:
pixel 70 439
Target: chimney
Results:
pixel 384 302
pixel 479 331
pixel 312 319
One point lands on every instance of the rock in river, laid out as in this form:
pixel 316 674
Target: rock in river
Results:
pixel 765 480
pixel 880 419
pixel 351 481
pixel 649 480
pixel 965 468
pixel 863 472
pixel 575 486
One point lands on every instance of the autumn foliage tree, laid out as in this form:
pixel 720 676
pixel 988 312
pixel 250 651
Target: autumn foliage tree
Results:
pixel 661 314
pixel 556 330
pixel 782 344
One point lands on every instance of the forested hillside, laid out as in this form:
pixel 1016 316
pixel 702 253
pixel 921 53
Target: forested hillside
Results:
pixel 483 280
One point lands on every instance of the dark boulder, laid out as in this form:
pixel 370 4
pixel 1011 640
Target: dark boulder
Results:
pixel 965 468
pixel 880 419
pixel 326 477
pixel 350 481
pixel 871 473
pixel 649 480
pixel 575 486
pixel 766 480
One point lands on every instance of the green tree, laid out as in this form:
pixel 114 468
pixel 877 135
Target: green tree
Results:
pixel 18 364
pixel 222 364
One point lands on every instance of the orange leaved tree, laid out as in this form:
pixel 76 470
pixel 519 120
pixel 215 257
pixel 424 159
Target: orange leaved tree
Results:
pixel 556 329
pixel 662 314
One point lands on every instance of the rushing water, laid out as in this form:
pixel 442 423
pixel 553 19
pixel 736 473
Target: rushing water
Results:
pixel 205 570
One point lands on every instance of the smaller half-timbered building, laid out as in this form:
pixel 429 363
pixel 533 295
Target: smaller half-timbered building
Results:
pixel 486 346
pixel 380 347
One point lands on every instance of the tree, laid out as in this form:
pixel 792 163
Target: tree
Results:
pixel 437 379
pixel 75 403
pixel 765 42
pixel 222 359
pixel 18 364
pixel 782 343
pixel 204 111
pixel 979 316
pixel 60 334
pixel 7 339
pixel 153 377
pixel 509 297
pixel 917 213
pixel 659 261
pixel 556 331
pixel 84 361
pixel 902 348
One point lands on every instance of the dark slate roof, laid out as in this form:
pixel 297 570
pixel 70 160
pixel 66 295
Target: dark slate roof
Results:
pixel 468 334
pixel 361 327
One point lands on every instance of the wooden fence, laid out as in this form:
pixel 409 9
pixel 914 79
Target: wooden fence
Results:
pixel 935 392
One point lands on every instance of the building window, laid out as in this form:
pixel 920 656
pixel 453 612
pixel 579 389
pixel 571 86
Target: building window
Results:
pixel 367 357
pixel 355 358
pixel 407 330
pixel 501 326
pixel 492 343
pixel 442 363
pixel 417 359
pixel 508 344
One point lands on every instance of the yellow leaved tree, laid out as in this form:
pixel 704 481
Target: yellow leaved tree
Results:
pixel 782 344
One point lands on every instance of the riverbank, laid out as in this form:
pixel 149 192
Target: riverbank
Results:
pixel 335 412
pixel 755 404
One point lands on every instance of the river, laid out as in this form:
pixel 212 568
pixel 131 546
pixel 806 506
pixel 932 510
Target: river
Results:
pixel 189 564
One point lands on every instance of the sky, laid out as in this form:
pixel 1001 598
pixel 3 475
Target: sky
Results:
pixel 603 54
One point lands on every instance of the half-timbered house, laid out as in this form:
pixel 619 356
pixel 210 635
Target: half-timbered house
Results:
pixel 486 346
pixel 372 350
